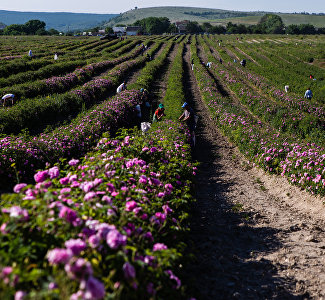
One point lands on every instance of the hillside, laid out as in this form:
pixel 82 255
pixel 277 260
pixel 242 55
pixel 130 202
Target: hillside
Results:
pixel 216 16
pixel 317 21
pixel 58 20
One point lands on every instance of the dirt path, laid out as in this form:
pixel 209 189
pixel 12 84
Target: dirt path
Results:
pixel 255 236
pixel 160 85
pixel 132 76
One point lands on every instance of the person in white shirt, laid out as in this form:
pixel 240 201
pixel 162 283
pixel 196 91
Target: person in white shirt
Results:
pixel 308 94
pixel 8 98
pixel 121 87
pixel 286 88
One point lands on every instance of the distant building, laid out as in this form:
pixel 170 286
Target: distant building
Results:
pixel 181 26
pixel 119 30
pixel 101 31
pixel 133 30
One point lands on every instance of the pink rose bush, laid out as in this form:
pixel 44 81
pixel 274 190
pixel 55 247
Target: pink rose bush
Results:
pixel 99 226
pixel 21 155
pixel 302 162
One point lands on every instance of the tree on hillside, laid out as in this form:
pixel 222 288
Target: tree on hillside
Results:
pixel 153 25
pixel 53 31
pixel 206 26
pixel 172 28
pixel 270 23
pixel 193 27
pixel 109 30
pixel 14 29
pixel 32 26
pixel 232 28
pixel 307 29
pixel 292 29
pixel 218 29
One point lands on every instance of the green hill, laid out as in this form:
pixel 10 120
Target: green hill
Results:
pixel 216 16
pixel 59 20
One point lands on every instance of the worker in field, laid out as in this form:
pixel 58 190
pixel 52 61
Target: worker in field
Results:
pixel 145 104
pixel 159 113
pixel 308 94
pixel 243 62
pixel 121 87
pixel 190 118
pixel 286 88
pixel 192 64
pixel 8 99
pixel 138 115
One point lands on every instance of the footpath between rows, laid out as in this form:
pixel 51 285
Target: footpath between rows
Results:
pixel 254 235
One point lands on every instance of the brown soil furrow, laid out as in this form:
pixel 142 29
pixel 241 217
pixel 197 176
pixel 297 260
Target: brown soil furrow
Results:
pixel 255 236
pixel 160 85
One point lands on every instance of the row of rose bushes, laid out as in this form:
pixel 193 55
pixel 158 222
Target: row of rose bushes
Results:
pixel 34 114
pixel 281 72
pixel 18 83
pixel 79 45
pixel 284 118
pixel 109 226
pixel 99 45
pixel 64 83
pixel 20 156
pixel 174 95
pixel 19 44
pixel 66 50
pixel 149 73
pixel 46 59
pixel 302 163
pixel 51 69
pixel 24 64
pixel 289 99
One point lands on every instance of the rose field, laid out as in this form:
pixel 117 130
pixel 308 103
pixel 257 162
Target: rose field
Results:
pixel 94 208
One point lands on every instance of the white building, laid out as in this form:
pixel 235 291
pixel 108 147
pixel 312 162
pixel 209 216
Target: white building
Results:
pixel 119 30
pixel 133 30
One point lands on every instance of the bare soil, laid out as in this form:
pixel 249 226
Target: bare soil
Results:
pixel 254 235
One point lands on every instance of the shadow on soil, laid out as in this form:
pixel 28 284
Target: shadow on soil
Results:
pixel 221 238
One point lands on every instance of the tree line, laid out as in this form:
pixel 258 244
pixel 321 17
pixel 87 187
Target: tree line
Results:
pixel 269 24
pixel 32 27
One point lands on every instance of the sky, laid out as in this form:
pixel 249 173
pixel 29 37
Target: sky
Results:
pixel 111 6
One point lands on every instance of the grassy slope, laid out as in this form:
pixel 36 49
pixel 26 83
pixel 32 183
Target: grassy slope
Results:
pixel 219 16
pixel 174 13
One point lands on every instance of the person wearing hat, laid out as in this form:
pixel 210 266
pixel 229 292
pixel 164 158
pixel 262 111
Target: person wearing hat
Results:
pixel 190 118
pixel 159 113
pixel 6 98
